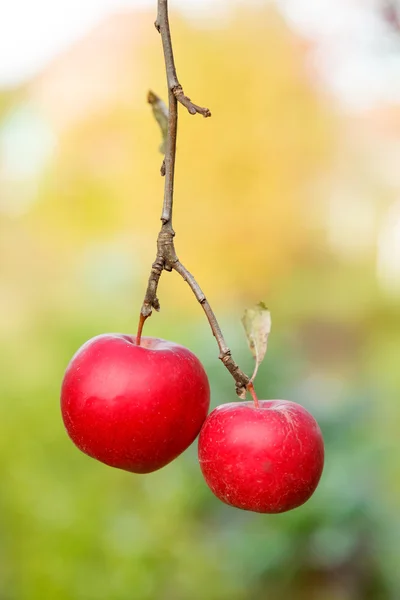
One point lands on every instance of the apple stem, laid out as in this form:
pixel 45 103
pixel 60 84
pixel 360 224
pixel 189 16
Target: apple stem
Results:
pixel 250 388
pixel 142 320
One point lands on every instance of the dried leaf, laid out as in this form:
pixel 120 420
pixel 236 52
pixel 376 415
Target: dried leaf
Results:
pixel 160 112
pixel 257 324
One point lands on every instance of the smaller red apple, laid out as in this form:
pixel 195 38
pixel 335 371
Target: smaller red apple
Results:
pixel 134 407
pixel 266 459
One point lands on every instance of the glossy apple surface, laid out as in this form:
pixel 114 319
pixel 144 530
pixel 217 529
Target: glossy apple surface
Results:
pixel 134 407
pixel 267 459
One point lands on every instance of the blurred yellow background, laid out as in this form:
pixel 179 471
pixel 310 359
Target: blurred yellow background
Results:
pixel 290 195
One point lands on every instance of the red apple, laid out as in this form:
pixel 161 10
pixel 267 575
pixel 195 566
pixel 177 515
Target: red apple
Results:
pixel 267 459
pixel 134 407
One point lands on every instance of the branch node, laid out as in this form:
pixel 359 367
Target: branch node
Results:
pixel 241 392
pixel 225 356
pixel 187 103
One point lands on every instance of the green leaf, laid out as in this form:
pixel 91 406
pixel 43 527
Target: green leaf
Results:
pixel 257 324
pixel 160 112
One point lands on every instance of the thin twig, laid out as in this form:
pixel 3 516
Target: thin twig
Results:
pixel 225 355
pixel 166 258
pixel 166 215
pixel 185 101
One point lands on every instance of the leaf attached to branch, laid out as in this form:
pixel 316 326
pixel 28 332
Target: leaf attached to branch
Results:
pixel 257 324
pixel 160 112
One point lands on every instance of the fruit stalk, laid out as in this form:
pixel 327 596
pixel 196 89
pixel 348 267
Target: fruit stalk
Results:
pixel 166 258
pixel 253 394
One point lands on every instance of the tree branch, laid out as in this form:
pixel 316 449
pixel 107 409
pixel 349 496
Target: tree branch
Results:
pixel 166 258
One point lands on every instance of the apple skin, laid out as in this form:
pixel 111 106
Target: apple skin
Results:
pixel 134 407
pixel 267 459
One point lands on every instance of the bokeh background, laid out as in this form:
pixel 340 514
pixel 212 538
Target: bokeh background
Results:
pixel 290 194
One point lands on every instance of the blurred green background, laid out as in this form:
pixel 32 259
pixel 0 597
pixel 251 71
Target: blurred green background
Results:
pixel 284 196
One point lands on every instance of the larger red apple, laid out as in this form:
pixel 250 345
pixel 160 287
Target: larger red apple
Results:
pixel 267 459
pixel 134 407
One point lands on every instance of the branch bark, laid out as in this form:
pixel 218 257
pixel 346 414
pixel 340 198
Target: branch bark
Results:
pixel 166 258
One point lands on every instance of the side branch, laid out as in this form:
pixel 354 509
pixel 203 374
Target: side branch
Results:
pixel 150 300
pixel 225 355
pixel 187 103
pixel 165 259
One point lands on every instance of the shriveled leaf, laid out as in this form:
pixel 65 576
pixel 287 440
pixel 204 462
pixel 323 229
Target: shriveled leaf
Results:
pixel 160 112
pixel 257 324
